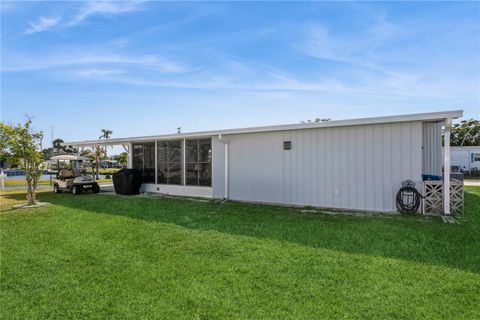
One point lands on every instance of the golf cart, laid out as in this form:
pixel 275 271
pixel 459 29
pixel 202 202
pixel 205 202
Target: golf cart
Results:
pixel 72 175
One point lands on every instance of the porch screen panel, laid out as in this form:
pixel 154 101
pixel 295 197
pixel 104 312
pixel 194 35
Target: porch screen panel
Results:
pixel 143 159
pixel 137 157
pixel 149 163
pixel 169 162
pixel 199 162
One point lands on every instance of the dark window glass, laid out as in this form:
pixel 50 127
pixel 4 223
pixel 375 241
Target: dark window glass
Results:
pixel 174 151
pixel 199 162
pixel 144 161
pixel 137 157
pixel 174 173
pixel 192 151
pixel 205 174
pixel 162 172
pixel 169 162
pixel 162 151
pixel 205 150
pixel 192 174
pixel 149 162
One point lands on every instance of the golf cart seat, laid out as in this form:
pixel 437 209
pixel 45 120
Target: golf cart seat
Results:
pixel 66 173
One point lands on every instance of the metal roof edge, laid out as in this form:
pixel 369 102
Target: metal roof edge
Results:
pixel 430 116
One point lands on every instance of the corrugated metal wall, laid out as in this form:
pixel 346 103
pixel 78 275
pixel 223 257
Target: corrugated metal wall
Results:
pixel 218 168
pixel 357 167
pixel 432 148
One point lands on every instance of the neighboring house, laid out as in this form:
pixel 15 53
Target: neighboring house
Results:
pixel 354 164
pixel 109 164
pixel 466 158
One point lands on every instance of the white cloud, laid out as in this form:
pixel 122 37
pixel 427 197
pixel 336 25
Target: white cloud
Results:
pixel 103 8
pixel 94 72
pixel 17 62
pixel 42 24
pixel 85 11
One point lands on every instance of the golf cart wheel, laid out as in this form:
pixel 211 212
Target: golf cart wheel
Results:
pixel 76 189
pixel 56 189
pixel 96 188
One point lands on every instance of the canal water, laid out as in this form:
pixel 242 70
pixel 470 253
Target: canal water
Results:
pixel 44 177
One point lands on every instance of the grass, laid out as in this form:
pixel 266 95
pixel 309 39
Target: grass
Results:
pixel 108 170
pixel 100 256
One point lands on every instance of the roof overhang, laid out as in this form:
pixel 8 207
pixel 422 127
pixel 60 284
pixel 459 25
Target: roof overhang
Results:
pixel 424 117
pixel 68 157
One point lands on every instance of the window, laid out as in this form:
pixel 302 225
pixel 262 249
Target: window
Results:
pixel 198 160
pixel 144 160
pixel 475 157
pixel 169 155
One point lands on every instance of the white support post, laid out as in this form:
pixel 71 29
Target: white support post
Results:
pixel 226 170
pixel 225 143
pixel 2 179
pixel 156 163
pixel 184 162
pixel 446 167
pixel 130 156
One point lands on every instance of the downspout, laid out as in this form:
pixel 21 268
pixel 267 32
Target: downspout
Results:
pixel 225 143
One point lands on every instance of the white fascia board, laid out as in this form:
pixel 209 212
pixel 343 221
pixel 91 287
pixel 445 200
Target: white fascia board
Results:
pixel 432 116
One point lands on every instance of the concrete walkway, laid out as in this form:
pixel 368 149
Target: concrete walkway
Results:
pixel 472 182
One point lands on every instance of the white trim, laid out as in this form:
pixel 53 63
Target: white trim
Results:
pixel 432 116
pixel 465 148
pixel 225 143
pixel 179 190
pixel 446 167
pixel 184 162
pixel 130 155
pixel 156 163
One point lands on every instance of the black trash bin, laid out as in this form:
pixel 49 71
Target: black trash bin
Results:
pixel 127 181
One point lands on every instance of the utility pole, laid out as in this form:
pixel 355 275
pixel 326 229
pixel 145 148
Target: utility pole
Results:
pixel 52 135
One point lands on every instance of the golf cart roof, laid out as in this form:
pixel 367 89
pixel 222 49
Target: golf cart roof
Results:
pixel 68 157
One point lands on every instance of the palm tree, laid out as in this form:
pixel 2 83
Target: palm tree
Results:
pixel 57 146
pixel 106 134
pixel 99 151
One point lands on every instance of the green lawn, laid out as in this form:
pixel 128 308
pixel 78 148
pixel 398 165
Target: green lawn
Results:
pixel 101 256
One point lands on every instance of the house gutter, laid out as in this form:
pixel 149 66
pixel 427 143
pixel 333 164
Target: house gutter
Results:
pixel 225 143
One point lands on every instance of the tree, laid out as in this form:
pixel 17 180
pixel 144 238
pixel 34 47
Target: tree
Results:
pixel 317 120
pixel 106 134
pixel 465 133
pixel 99 151
pixel 58 148
pixel 88 153
pixel 24 144
pixel 122 158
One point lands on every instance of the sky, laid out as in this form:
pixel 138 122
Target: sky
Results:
pixel 145 68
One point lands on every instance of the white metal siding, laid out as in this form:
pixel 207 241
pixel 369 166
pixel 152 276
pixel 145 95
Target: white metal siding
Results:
pixel 356 167
pixel 432 148
pixel 218 168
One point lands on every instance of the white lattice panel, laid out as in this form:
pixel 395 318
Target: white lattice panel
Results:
pixel 433 192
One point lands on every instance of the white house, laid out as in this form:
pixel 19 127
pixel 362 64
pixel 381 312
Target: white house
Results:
pixel 466 158
pixel 356 164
